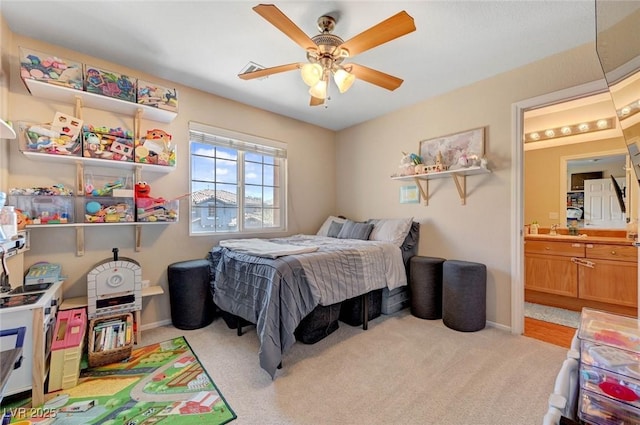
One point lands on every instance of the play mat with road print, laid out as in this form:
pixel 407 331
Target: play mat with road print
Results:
pixel 162 383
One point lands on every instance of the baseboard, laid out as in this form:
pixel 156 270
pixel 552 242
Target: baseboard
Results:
pixel 148 326
pixel 499 326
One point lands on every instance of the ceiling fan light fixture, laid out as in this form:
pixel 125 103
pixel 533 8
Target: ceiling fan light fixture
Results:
pixel 319 90
pixel 344 80
pixel 311 73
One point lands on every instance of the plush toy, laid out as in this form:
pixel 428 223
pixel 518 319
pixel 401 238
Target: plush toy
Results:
pixel 23 219
pixel 143 196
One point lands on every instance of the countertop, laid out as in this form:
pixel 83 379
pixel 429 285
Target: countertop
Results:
pixel 611 240
pixel 44 300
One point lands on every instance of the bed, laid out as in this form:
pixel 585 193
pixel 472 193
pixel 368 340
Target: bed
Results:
pixel 277 283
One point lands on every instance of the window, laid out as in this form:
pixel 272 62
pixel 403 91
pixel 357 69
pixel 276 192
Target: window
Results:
pixel 238 182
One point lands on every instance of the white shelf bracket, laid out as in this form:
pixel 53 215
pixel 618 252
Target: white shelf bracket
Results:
pixel 79 241
pixel 461 185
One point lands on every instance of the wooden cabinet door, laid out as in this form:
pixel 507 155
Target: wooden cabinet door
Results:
pixel 614 282
pixel 551 274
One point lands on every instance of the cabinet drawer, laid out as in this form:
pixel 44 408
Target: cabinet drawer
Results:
pixel 569 249
pixel 612 252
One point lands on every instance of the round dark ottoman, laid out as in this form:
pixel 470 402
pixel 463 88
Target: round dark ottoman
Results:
pixel 464 295
pixel 190 294
pixel 425 285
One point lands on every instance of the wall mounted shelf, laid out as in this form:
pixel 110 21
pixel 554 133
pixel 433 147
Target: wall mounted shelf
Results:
pixel 81 99
pixel 96 101
pixel 459 177
pixel 6 131
pixel 97 162
pixel 81 226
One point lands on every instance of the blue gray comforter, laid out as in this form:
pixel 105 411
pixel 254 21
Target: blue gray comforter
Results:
pixel 276 294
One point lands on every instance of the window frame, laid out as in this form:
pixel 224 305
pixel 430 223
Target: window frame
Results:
pixel 243 143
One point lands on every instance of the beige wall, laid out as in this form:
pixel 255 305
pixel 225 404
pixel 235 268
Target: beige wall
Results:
pixel 5 43
pixel 479 231
pixel 311 183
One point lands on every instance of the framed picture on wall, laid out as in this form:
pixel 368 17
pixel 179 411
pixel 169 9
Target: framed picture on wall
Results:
pixel 456 149
pixel 409 194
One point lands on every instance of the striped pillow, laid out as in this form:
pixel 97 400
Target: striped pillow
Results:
pixel 352 230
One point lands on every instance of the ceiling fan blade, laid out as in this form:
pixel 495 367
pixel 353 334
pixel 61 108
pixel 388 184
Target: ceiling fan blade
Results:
pixel 315 101
pixel 372 76
pixel 279 20
pixel 269 71
pixel 387 30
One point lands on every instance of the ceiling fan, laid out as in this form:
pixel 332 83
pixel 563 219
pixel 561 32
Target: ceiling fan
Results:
pixel 326 52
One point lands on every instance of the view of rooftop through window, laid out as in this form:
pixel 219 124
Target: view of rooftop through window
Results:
pixel 237 186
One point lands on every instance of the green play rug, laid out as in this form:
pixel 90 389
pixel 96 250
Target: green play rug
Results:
pixel 162 383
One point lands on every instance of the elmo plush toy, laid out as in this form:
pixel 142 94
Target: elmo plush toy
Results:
pixel 143 196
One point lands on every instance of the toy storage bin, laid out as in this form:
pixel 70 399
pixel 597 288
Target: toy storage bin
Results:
pixel 100 186
pixel 609 384
pixel 66 349
pixel 152 94
pixel 42 138
pixel 52 69
pixel 151 210
pixel 609 368
pixel 108 210
pixel 597 409
pixel 107 143
pixel 609 358
pixel 610 329
pixel 110 339
pixel 109 83
pixel 157 148
pixel 45 209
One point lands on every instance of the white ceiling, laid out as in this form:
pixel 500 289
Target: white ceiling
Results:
pixel 205 44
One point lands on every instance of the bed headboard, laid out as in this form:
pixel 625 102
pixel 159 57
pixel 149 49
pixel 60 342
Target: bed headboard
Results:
pixel 409 247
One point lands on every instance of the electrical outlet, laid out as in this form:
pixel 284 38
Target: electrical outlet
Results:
pixel 145 283
pixel 554 215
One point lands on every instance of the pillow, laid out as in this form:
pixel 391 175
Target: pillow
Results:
pixel 352 230
pixel 324 229
pixel 334 229
pixel 392 230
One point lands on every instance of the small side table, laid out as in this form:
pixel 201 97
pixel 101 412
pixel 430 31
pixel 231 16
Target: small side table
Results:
pixel 425 283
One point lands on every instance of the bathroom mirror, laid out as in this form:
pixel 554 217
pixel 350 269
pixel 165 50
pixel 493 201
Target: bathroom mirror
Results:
pixel 618 49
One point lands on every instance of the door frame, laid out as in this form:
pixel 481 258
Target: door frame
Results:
pixel 517 186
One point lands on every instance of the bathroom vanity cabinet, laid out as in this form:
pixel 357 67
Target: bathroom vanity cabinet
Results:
pixel 575 272
pixel 549 266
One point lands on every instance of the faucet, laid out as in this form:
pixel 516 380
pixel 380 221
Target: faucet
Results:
pixel 554 230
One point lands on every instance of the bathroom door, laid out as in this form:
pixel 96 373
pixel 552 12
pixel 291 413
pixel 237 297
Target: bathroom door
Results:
pixel 601 207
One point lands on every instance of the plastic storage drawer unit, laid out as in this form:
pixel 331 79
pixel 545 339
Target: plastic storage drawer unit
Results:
pixel 609 368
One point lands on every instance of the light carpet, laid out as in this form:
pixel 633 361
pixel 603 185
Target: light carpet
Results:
pixel 403 370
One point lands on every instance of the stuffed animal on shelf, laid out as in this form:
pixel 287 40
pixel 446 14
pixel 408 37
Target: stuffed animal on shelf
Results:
pixel 23 219
pixel 143 196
